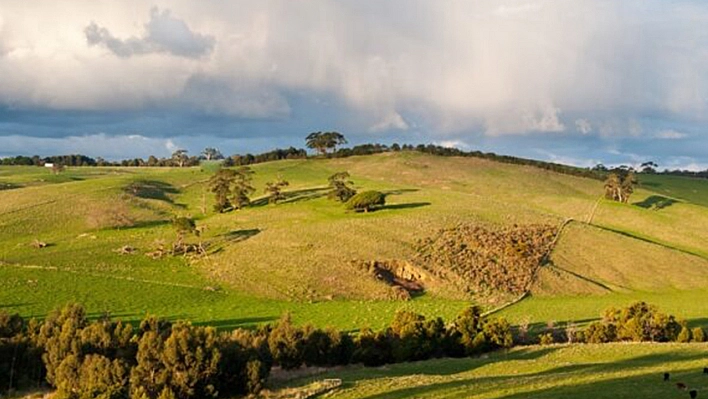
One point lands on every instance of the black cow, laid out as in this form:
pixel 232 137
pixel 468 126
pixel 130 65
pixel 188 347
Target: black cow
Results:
pixel 693 393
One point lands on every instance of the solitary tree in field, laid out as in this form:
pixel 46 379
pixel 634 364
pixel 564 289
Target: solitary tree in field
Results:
pixel 211 153
pixel 618 187
pixel 57 168
pixel 221 184
pixel 340 185
pixel 275 189
pixel 323 141
pixel 242 187
pixel 183 226
pixel 366 201
pixel 180 157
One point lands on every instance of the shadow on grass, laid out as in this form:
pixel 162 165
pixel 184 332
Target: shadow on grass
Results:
pixel 235 236
pixel 656 202
pixel 152 189
pixel 401 191
pixel 410 205
pixel 294 196
pixel 231 324
pixel 641 385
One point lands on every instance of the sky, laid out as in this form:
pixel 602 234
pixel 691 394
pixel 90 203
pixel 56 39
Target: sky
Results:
pixel 574 81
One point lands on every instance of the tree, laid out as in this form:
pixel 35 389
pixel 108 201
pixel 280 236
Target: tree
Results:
pixel 323 141
pixel 649 167
pixel 184 226
pixel 619 186
pixel 57 168
pixel 242 187
pixel 366 201
pixel 221 184
pixel 211 153
pixel 180 157
pixel 275 189
pixel 339 183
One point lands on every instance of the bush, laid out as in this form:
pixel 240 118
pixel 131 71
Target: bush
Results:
pixel 366 201
pixel 372 349
pixel 599 333
pixel 685 335
pixel 287 344
pixel 698 335
pixel 546 339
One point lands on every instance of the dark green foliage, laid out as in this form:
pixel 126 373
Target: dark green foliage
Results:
pixel 232 188
pixel 366 201
pixel 287 343
pixel 245 362
pixel 340 185
pixel 372 348
pixel 60 337
pixel 599 333
pixel 637 322
pixel 275 190
pixel 221 184
pixel 484 260
pixel 242 188
pixel 323 141
pixel 477 334
pixel 107 359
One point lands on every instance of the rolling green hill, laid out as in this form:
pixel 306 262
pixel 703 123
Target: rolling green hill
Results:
pixel 558 371
pixel 303 255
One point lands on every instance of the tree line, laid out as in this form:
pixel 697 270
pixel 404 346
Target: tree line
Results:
pixel 156 358
pixel 104 358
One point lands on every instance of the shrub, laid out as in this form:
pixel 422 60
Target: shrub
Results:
pixel 366 201
pixel 685 335
pixel 372 349
pixel 287 343
pixel 598 333
pixel 340 185
pixel 546 339
pixel 698 334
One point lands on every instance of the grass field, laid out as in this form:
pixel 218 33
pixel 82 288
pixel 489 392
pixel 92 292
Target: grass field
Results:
pixel 299 256
pixel 559 371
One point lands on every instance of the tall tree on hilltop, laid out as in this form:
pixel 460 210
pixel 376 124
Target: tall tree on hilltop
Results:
pixel 211 153
pixel 323 141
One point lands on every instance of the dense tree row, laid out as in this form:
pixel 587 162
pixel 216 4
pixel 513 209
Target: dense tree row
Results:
pixel 638 322
pixel 322 142
pixel 159 359
pixel 486 261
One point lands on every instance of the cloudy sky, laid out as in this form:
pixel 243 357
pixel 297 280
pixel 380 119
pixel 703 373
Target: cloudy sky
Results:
pixel 577 81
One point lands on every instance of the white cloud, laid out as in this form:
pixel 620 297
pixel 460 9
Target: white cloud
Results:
pixel 107 146
pixel 163 33
pixel 583 126
pixel 670 134
pixel 453 144
pixel 393 121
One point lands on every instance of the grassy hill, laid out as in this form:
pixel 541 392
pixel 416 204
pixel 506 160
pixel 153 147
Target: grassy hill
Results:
pixel 302 255
pixel 557 371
